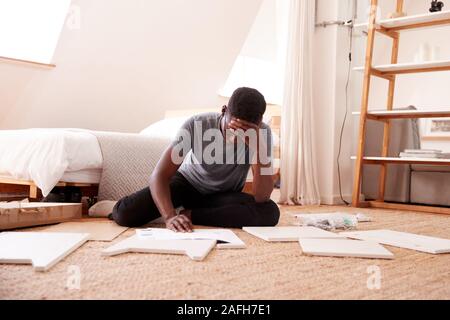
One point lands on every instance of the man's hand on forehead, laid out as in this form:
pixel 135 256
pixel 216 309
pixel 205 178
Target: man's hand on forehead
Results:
pixel 241 127
pixel 237 124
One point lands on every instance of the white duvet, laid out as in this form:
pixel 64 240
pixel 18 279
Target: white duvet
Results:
pixel 43 155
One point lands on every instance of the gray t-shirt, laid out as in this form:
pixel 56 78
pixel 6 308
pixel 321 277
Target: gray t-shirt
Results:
pixel 213 164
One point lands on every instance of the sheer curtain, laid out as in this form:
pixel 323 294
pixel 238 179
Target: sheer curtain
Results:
pixel 299 182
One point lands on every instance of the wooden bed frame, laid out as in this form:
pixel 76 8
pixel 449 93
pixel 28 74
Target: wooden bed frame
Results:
pixel 29 189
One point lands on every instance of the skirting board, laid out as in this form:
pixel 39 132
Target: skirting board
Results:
pixel 333 200
pixel 41 249
pixel 98 230
pixel 344 248
pixel 290 234
pixel 194 249
pixel 403 240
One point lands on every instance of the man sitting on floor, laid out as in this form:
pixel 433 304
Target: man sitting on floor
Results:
pixel 200 176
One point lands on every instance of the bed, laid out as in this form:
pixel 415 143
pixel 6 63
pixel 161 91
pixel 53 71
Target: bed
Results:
pixel 107 164
pixel 40 159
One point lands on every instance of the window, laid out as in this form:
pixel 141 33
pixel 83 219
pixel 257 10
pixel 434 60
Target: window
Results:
pixel 29 29
pixel 261 62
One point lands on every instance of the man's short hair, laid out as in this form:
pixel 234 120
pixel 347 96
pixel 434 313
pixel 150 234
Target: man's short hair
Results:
pixel 247 104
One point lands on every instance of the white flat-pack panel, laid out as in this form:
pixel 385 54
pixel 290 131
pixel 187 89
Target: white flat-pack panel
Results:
pixel 194 249
pixel 344 248
pixel 41 249
pixel 403 240
pixel 289 234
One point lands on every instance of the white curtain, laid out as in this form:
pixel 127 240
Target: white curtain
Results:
pixel 299 182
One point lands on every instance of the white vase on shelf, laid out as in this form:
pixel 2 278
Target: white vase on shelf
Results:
pixel 424 53
pixel 435 53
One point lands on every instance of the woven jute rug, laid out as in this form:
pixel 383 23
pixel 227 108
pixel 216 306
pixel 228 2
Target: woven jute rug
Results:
pixel 262 271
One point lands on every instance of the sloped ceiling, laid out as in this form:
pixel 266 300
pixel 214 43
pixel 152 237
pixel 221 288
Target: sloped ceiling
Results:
pixel 128 62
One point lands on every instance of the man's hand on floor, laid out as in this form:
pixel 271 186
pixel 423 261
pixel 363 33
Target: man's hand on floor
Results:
pixel 179 223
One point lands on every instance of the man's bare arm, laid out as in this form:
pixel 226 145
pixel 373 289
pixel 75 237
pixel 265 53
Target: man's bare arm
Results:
pixel 262 175
pixel 160 190
pixel 262 185
pixel 262 171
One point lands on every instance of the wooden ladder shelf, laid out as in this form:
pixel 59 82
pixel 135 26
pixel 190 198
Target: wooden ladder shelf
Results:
pixel 392 29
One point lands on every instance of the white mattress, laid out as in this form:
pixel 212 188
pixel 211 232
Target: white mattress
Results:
pixel 91 176
pixel 46 155
pixel 83 176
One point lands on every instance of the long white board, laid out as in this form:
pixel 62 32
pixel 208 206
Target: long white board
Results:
pixel 344 248
pixel 403 240
pixel 290 234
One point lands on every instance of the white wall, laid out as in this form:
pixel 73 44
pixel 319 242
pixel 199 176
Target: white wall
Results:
pixel 330 71
pixel 261 62
pixel 129 61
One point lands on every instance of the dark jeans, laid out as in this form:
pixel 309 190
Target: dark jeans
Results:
pixel 227 210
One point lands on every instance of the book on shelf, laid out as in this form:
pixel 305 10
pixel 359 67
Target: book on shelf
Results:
pixel 426 151
pixel 425 155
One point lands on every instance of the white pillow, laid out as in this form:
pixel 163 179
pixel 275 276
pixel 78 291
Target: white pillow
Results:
pixel 166 128
pixel 102 209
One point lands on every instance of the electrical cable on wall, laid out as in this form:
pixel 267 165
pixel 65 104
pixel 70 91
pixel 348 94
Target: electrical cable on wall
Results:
pixel 346 111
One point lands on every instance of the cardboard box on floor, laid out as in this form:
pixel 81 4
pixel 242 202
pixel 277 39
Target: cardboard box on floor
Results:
pixel 22 214
pixel 99 230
